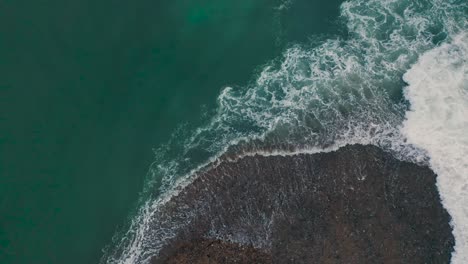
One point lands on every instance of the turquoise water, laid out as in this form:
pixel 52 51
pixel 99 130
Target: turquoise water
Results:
pixel 89 88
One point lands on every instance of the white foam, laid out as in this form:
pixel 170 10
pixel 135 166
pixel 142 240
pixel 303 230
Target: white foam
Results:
pixel 438 123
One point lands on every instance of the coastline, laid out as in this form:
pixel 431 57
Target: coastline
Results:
pixel 356 205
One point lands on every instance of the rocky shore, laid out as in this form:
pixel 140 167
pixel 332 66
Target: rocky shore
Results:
pixel 354 205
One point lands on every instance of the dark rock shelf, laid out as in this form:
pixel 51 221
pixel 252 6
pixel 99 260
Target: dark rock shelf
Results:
pixel 354 205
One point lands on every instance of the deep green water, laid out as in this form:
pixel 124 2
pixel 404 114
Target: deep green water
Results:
pixel 88 88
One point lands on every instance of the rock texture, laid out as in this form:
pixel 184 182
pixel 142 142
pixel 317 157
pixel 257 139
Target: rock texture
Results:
pixel 207 251
pixel 355 205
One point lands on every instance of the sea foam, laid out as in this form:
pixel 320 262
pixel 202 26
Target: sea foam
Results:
pixel 438 123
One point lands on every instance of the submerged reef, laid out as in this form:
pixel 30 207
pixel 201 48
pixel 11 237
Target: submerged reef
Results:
pixel 355 205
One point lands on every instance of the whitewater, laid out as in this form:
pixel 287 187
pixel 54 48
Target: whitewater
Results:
pixel 438 123
pixel 397 80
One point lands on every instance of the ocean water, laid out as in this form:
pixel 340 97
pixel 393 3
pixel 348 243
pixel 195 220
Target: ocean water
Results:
pixel 396 77
pixel 91 87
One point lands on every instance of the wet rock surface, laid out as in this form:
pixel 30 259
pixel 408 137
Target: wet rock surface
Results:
pixel 354 205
